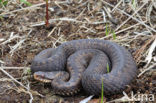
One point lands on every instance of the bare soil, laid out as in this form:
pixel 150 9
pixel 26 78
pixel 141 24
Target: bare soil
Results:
pixel 23 35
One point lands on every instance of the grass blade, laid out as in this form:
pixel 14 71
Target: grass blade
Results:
pixel 102 93
pixel 114 35
pixel 108 68
pixel 107 31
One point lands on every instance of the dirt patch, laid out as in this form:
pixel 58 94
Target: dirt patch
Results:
pixel 23 35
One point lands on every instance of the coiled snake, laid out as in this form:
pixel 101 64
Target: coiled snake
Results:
pixel 85 63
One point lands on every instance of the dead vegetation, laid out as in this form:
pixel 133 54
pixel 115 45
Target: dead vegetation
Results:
pixel 23 35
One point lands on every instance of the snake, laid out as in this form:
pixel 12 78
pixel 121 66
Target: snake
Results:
pixel 92 65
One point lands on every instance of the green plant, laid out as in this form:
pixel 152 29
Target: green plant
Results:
pixel 3 2
pixel 134 4
pixel 107 30
pixel 108 70
pixel 1 17
pixel 114 35
pixel 102 92
pixel 28 71
pixel 26 2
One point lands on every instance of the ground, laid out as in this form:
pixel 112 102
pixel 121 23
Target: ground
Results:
pixel 23 34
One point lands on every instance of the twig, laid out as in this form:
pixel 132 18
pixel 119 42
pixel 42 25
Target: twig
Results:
pixel 2 39
pixel 5 79
pixel 140 51
pixel 5 90
pixel 12 36
pixel 15 67
pixel 67 19
pixel 31 96
pixel 148 13
pixel 27 88
pixel 104 15
pixel 12 78
pixel 121 30
pixel 117 5
pixel 130 16
pixel 151 50
pixel 81 13
pixel 127 28
pixel 54 28
pixel 14 48
pixel 58 33
pixel 107 11
pixel 152 66
pixel 47 14
pixel 125 98
pixel 2 62
pixel 57 41
pixel 88 29
pixel 27 8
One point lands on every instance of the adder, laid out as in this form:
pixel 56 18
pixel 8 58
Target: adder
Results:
pixel 85 64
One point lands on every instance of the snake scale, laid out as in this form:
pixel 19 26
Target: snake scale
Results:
pixel 85 63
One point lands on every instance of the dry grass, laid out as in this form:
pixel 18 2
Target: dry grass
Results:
pixel 23 34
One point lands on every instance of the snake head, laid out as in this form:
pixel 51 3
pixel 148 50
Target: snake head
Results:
pixel 47 77
pixel 42 77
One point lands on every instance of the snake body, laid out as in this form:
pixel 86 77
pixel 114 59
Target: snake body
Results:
pixel 86 63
